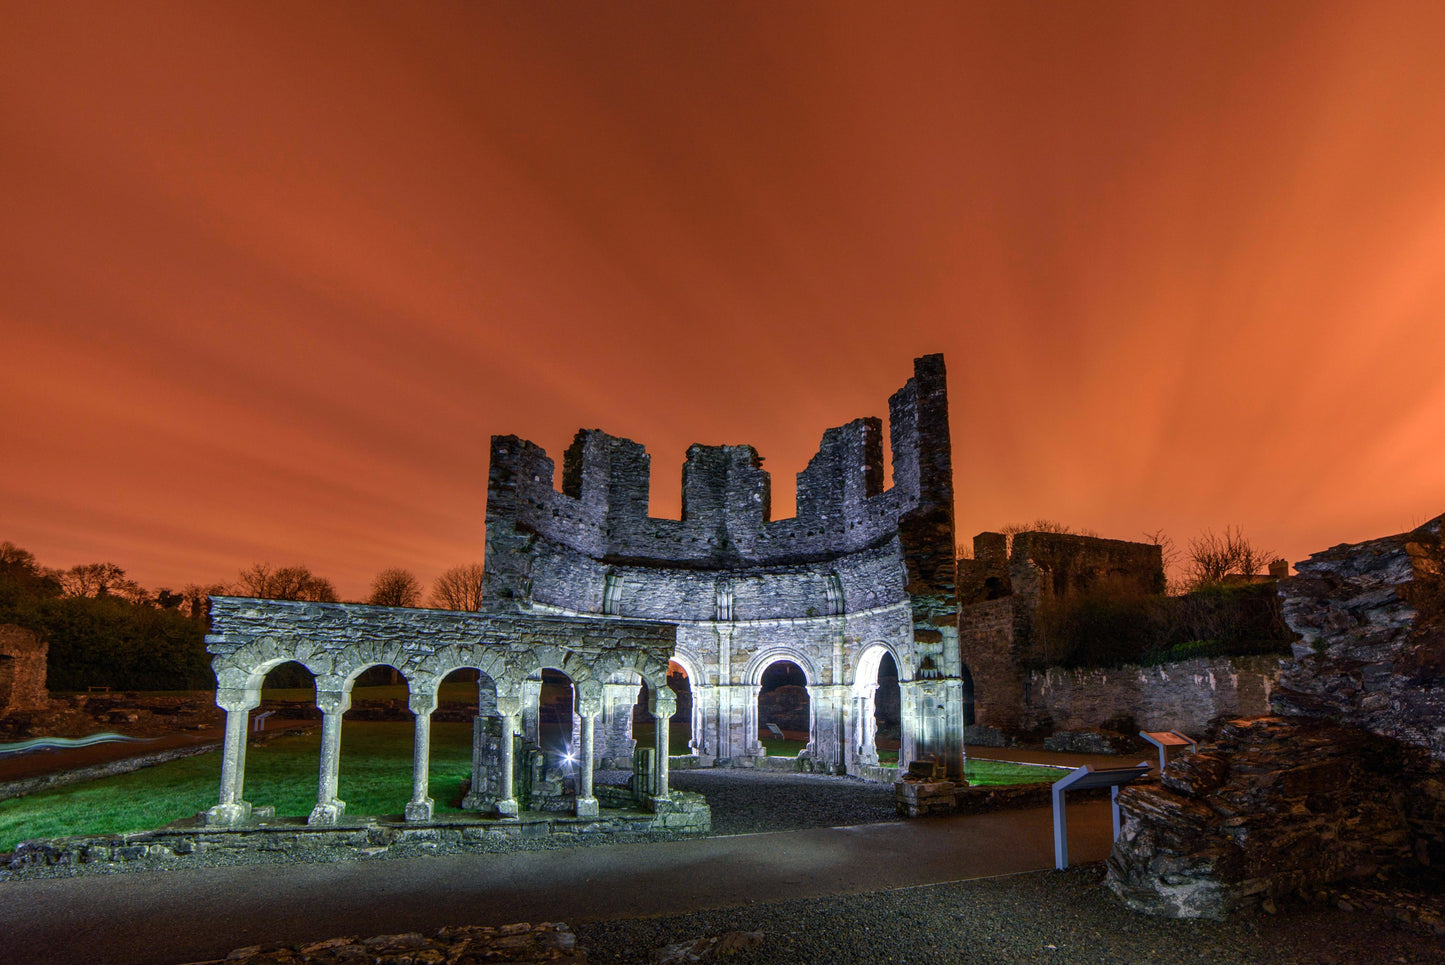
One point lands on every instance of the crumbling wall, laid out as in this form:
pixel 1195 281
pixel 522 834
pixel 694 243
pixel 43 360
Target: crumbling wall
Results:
pixel 1003 596
pixel 1347 780
pixel 22 670
pixel 859 567
pixel 1186 696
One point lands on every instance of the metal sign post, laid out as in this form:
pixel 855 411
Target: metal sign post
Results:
pixel 1081 780
pixel 1165 739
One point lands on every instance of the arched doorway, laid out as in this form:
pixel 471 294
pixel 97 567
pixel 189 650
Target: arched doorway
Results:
pixel 784 709
pixel 887 711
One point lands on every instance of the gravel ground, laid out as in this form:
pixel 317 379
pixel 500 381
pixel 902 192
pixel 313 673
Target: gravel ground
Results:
pixel 746 801
pixel 1062 918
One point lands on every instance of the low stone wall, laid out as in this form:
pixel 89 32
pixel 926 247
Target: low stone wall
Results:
pixel 1176 696
pixel 294 841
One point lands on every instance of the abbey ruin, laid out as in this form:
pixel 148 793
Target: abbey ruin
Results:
pixel 582 581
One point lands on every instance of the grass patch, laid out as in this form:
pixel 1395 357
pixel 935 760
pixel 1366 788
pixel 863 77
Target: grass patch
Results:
pixel 996 773
pixel 375 779
pixel 779 747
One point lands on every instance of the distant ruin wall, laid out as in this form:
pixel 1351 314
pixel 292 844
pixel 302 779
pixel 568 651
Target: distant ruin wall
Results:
pixel 22 670
pixel 1177 696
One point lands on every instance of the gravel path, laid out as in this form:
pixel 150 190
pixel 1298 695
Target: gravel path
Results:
pixel 747 801
pixel 1061 918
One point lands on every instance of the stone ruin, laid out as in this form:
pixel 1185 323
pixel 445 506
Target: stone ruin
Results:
pixel 22 671
pixel 582 581
pixel 862 572
pixel 337 642
pixel 1347 779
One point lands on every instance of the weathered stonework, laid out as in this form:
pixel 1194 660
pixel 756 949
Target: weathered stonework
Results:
pixel 337 642
pixel 22 671
pixel 1002 593
pixel 1349 780
pixel 860 572
pixel 1187 695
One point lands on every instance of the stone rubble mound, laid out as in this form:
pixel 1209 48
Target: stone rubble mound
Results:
pixel 1346 782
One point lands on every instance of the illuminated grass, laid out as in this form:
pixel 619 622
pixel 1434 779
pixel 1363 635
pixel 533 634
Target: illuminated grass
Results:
pixel 995 773
pixel 375 779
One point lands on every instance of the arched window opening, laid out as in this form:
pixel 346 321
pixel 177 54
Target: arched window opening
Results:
pixel 284 742
pixel 375 770
pixel 548 773
pixel 887 711
pixel 784 714
pixel 453 724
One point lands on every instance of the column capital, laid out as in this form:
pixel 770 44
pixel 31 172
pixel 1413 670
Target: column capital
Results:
pixel 235 700
pixel 588 707
pixel 422 703
pixel 333 701
pixel 509 705
pixel 661 704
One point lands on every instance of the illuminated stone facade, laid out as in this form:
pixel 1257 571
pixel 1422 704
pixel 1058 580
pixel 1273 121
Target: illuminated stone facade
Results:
pixel 861 571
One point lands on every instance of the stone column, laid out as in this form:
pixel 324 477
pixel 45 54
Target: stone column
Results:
pixel 828 705
pixel 238 704
pixel 421 806
pixel 662 703
pixel 508 710
pixel 332 704
pixel 531 710
pixel 587 711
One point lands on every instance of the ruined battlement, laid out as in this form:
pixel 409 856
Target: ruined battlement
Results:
pixel 600 512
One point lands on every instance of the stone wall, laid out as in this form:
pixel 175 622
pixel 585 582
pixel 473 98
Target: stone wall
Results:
pixel 1001 595
pixel 22 670
pixel 1183 696
pixel 1347 781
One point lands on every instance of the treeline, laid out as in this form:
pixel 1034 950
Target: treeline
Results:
pixel 103 630
pixel 106 630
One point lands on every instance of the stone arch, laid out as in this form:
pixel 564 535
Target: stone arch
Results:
pixel 763 659
pixel 691 666
pixel 870 656
pixel 246 667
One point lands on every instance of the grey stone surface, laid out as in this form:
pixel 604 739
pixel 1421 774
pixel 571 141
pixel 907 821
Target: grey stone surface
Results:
pixel 1347 782
pixel 861 571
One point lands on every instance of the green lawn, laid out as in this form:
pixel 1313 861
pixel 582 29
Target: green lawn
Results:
pixel 993 773
pixel 375 779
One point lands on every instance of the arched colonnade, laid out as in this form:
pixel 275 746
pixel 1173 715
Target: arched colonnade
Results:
pixel 338 642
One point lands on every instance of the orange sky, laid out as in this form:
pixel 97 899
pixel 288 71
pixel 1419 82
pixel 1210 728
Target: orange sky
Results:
pixel 272 274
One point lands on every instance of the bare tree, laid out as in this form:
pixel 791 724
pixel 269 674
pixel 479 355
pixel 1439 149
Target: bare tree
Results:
pixel 285 583
pixel 1169 556
pixel 395 587
pixel 196 599
pixel 459 588
pixel 1040 526
pixel 1213 556
pixel 100 579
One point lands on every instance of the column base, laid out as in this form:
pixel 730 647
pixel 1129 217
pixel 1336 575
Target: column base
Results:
pixel 420 810
pixel 327 814
pixel 506 807
pixel 587 807
pixel 226 815
pixel 656 800
pixel 477 802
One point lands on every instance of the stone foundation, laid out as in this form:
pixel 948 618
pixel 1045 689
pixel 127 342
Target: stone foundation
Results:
pixel 293 840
